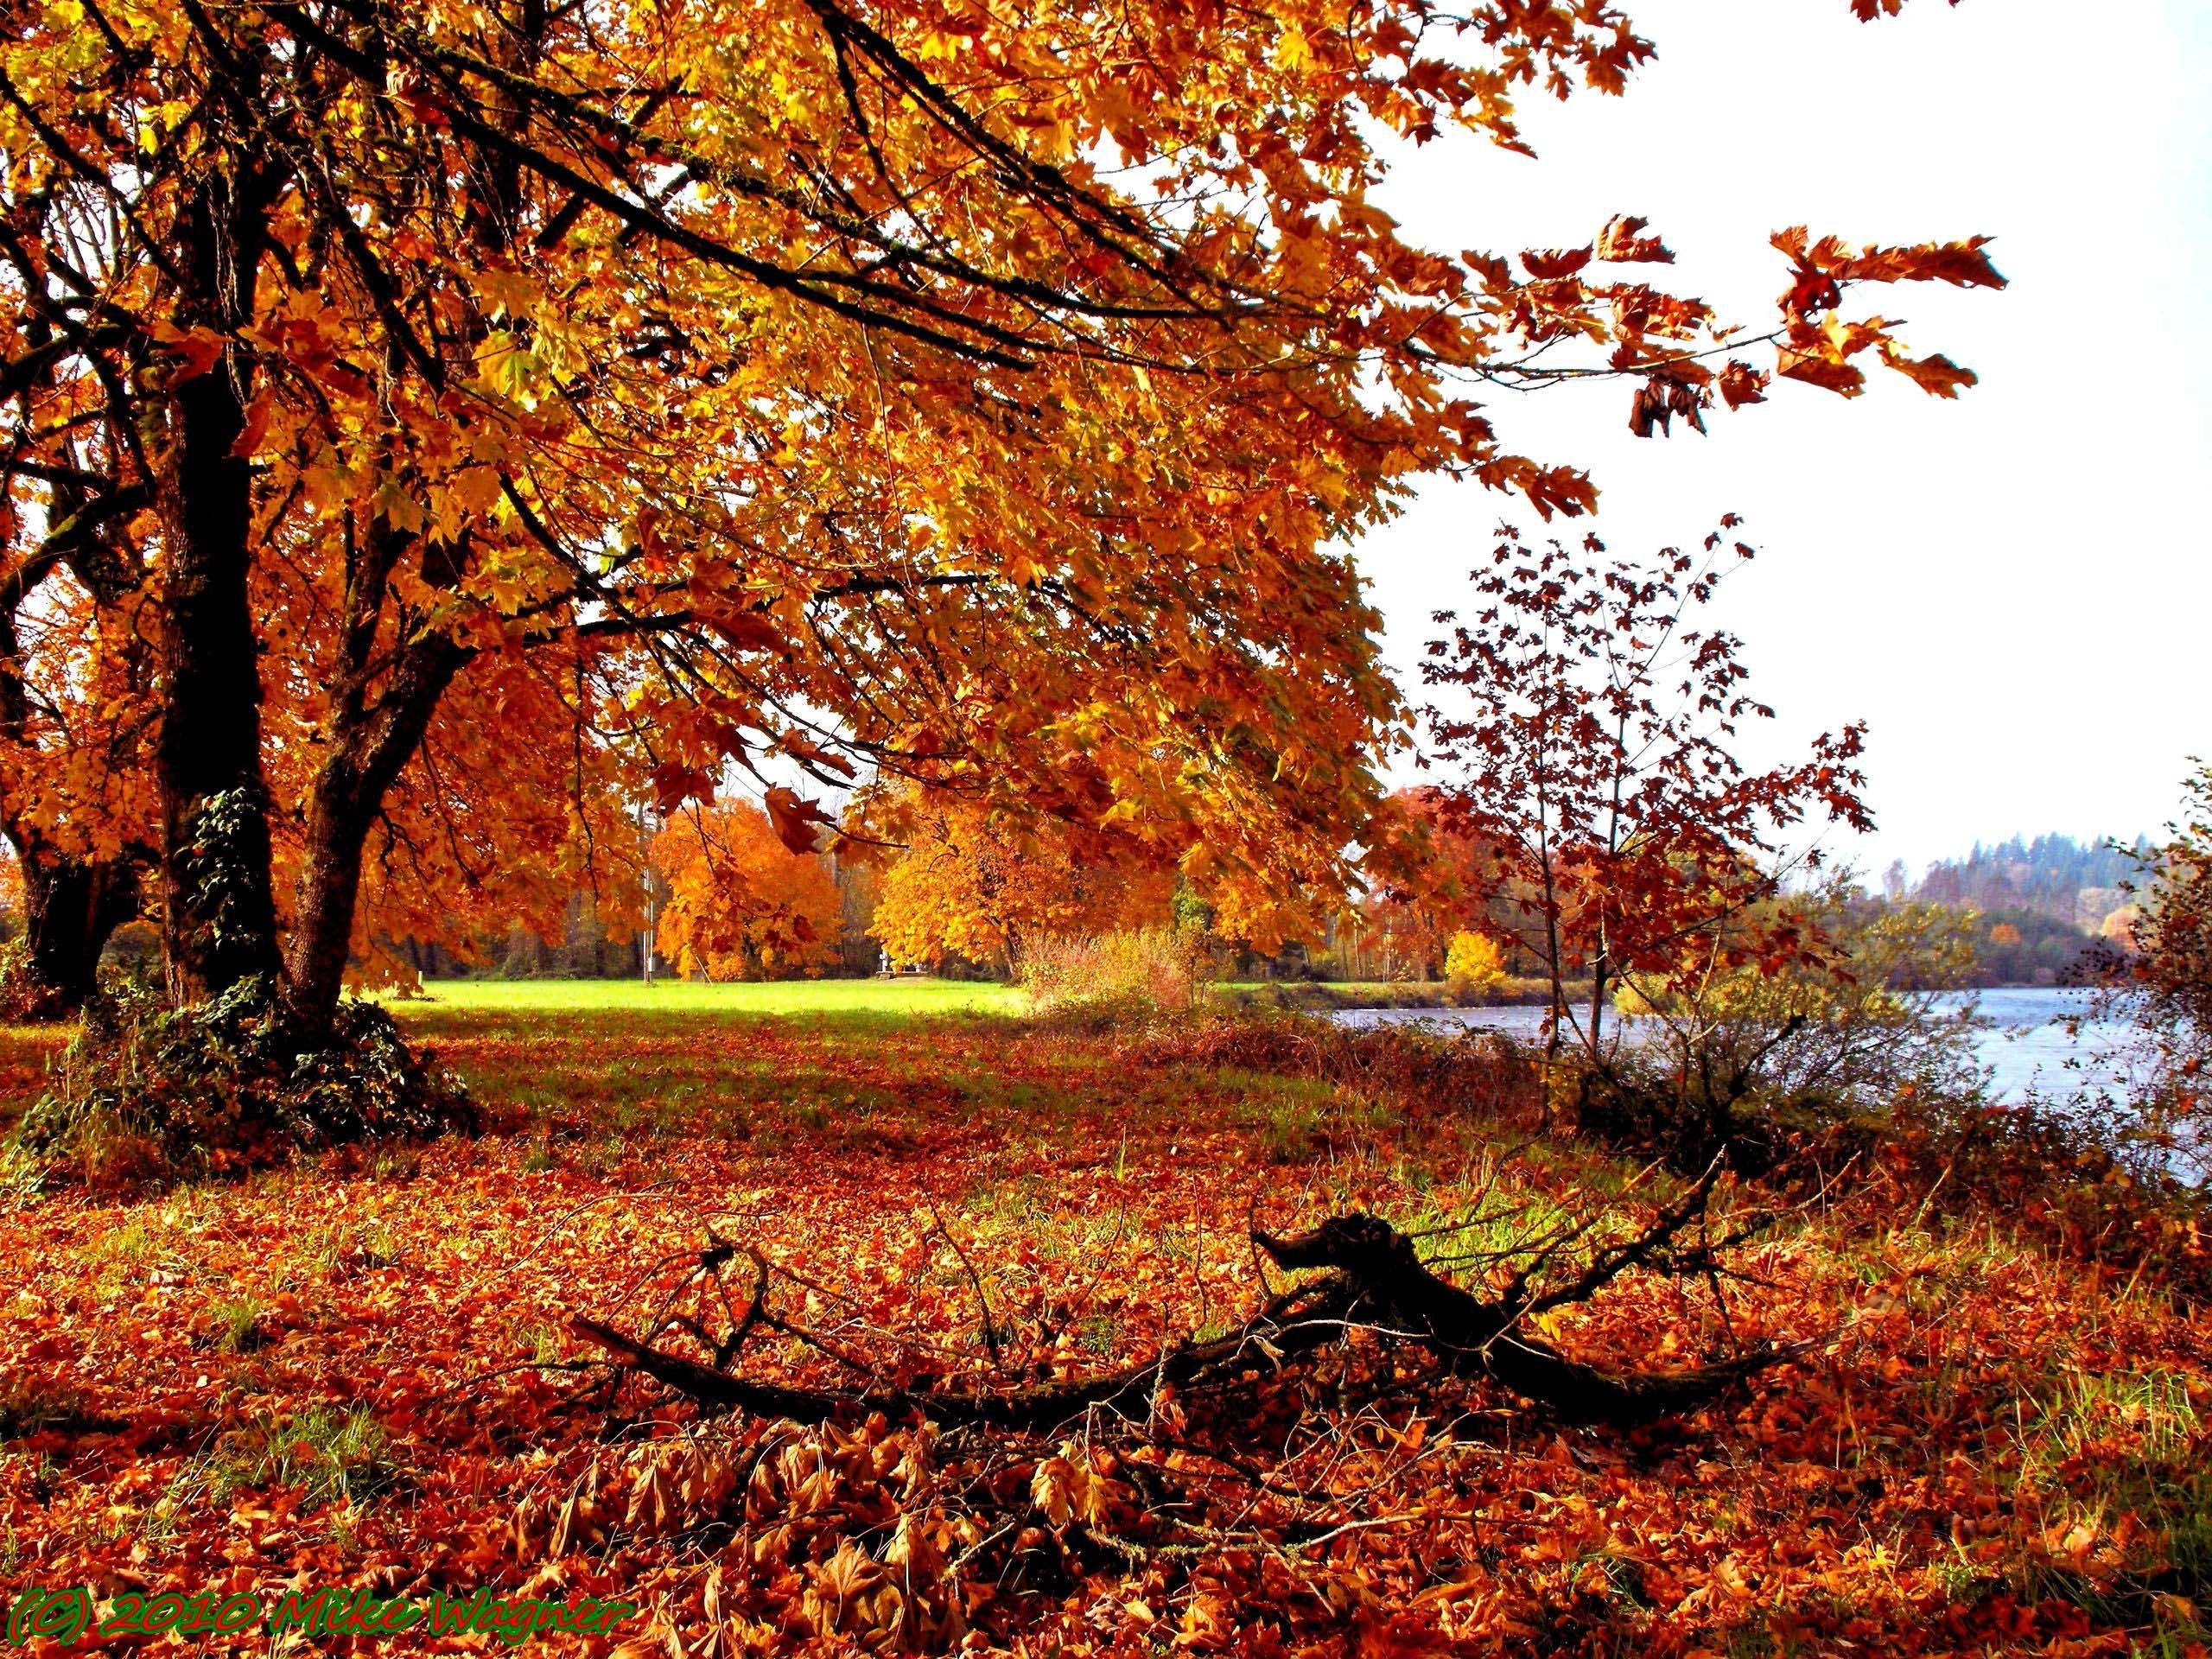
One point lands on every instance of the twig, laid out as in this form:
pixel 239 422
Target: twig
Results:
pixel 990 1323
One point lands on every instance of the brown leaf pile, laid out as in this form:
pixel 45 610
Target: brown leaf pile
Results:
pixel 356 1371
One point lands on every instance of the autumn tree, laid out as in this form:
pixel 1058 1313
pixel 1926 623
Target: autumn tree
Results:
pixel 2154 969
pixel 516 803
pixel 792 377
pixel 963 886
pixel 1474 965
pixel 1426 882
pixel 75 807
pixel 75 669
pixel 1591 727
pixel 741 904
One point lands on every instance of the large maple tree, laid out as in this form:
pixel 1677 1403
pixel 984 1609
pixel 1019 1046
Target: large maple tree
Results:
pixel 982 398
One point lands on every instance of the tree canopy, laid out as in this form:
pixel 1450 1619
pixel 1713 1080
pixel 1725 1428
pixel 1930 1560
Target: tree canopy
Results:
pixel 423 423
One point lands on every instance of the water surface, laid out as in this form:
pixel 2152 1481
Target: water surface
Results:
pixel 2028 1046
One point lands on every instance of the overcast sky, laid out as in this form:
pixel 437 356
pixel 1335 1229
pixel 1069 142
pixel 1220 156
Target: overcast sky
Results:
pixel 2011 590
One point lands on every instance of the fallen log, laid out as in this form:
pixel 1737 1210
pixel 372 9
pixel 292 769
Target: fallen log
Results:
pixel 1260 1342
pixel 1372 1277
pixel 1386 1282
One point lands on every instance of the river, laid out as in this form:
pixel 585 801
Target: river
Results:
pixel 2027 1047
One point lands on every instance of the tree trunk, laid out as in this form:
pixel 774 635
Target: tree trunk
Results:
pixel 71 906
pixel 369 745
pixel 218 911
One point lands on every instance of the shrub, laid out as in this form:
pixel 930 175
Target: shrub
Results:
pixel 1845 1032
pixel 146 1088
pixel 2156 970
pixel 1420 1067
pixel 1155 968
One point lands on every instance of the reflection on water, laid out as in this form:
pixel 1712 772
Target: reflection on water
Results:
pixel 2028 1046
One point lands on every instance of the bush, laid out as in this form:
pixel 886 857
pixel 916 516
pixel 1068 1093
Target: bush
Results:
pixel 1844 1034
pixel 1423 1067
pixel 1473 966
pixel 1155 969
pixel 22 999
pixel 228 1084
pixel 2157 979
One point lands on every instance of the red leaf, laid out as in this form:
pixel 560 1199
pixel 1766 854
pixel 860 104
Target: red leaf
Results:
pixel 1741 383
pixel 673 784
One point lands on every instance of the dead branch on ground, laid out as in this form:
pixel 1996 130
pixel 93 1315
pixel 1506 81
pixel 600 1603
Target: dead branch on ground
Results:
pixel 1370 1278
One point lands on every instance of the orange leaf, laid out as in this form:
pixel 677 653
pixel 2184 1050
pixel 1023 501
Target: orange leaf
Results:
pixel 798 823
pixel 1620 243
pixel 1741 383
pixel 256 427
pixel 1938 376
pixel 1549 263
pixel 1817 370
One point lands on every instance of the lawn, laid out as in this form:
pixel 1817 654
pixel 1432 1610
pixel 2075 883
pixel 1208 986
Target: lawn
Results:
pixel 914 995
pixel 361 1369
pixel 900 997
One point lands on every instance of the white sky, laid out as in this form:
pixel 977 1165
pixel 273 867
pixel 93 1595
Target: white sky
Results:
pixel 2012 590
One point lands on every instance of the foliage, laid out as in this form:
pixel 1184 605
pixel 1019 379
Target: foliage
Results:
pixel 1474 965
pixel 1428 883
pixel 559 405
pixel 217 855
pixel 1732 1052
pixel 21 997
pixel 2025 947
pixel 494 827
pixel 1593 731
pixel 1152 969
pixel 147 1089
pixel 587 944
pixel 965 885
pixel 741 904
pixel 2160 980
pixel 2070 883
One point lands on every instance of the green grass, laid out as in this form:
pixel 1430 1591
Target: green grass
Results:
pixel 797 996
pixel 326 1456
pixel 565 1063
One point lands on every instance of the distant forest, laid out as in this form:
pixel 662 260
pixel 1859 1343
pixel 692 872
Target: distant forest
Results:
pixel 2038 902
pixel 2038 905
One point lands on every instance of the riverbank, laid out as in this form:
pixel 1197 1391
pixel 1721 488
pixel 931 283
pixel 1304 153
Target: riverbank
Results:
pixel 1323 996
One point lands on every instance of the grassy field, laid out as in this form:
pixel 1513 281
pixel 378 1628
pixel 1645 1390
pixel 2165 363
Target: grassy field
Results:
pixel 797 996
pixel 360 1368
pixel 902 996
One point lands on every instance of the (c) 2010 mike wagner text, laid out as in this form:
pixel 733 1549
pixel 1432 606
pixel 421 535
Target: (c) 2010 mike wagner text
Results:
pixel 69 1615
